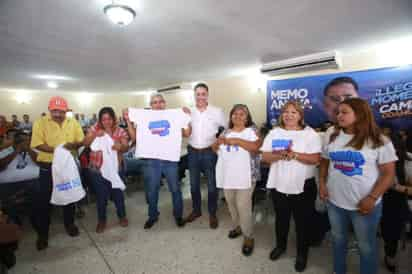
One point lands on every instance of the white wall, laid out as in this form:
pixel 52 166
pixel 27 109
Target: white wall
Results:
pixel 223 92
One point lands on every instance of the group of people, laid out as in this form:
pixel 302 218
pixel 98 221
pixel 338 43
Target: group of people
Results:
pixel 357 167
pixel 24 125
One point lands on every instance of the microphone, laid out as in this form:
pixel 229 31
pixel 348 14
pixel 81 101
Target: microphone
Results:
pixel 219 131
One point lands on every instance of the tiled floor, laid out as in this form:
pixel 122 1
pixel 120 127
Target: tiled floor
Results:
pixel 166 248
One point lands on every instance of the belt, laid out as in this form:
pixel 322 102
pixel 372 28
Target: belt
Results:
pixel 201 149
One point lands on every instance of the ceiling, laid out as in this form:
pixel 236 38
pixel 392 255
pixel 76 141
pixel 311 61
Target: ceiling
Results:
pixel 178 41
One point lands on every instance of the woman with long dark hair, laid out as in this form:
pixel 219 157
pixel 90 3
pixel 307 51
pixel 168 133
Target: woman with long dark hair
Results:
pixel 357 168
pixel 104 188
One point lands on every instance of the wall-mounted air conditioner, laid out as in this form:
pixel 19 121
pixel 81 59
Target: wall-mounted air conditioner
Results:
pixel 175 88
pixel 316 61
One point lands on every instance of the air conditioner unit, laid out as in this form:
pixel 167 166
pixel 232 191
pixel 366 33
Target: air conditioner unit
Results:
pixel 175 88
pixel 316 61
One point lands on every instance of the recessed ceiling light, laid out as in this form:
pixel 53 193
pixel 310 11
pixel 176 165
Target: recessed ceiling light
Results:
pixel 52 85
pixel 119 14
pixel 52 77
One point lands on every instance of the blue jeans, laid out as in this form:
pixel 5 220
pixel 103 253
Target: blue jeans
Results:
pixel 104 192
pixel 153 170
pixel 203 161
pixel 365 229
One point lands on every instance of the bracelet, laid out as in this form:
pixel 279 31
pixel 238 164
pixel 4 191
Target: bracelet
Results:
pixel 295 156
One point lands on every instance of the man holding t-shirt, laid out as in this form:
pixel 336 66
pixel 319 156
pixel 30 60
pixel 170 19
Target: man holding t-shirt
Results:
pixel 158 141
pixel 206 121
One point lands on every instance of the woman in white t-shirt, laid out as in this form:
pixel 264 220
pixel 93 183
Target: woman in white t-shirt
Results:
pixel 292 149
pixel 357 167
pixel 234 172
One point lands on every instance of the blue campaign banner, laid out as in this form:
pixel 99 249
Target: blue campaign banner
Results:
pixel 388 91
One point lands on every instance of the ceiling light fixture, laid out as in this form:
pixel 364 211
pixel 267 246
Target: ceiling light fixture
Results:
pixel 52 85
pixel 119 14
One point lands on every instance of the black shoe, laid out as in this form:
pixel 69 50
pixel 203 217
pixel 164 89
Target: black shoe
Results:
pixel 8 259
pixel 42 243
pixel 248 245
pixel 72 230
pixel 276 253
pixel 390 264
pixel 180 222
pixel 235 233
pixel 300 264
pixel 149 223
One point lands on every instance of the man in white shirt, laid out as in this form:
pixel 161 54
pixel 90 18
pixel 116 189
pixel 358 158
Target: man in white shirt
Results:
pixel 18 174
pixel 26 125
pixel 84 123
pixel 158 143
pixel 206 122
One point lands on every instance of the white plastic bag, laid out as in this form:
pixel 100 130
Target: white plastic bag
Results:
pixel 67 186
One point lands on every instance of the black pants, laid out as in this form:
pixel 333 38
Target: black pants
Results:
pixel 41 204
pixel 16 199
pixel 298 205
pixel 394 215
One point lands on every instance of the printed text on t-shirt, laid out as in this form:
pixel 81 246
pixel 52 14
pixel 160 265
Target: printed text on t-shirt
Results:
pixel 281 144
pixel 348 162
pixel 160 128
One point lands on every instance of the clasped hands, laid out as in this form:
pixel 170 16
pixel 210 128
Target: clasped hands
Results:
pixel 286 155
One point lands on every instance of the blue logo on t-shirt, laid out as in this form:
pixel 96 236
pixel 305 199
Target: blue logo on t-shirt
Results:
pixel 281 144
pixel 348 162
pixel 160 128
pixel 235 148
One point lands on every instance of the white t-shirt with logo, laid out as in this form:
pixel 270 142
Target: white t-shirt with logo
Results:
pixel 159 132
pixel 353 173
pixel 21 168
pixel 205 125
pixel 289 176
pixel 233 168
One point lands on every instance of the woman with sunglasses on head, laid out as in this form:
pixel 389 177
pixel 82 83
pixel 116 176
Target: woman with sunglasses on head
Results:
pixel 357 167
pixel 105 189
pixel 292 150
pixel 235 148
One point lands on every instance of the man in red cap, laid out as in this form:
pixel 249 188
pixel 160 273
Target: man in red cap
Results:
pixel 49 132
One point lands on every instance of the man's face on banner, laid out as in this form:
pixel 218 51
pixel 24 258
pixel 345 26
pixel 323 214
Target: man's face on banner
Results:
pixel 335 95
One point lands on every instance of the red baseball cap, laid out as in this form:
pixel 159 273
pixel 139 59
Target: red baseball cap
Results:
pixel 58 103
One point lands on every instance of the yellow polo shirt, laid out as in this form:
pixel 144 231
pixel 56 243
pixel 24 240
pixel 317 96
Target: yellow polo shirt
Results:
pixel 46 131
